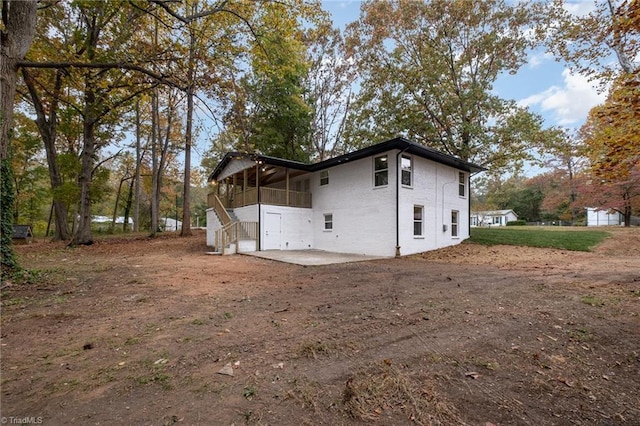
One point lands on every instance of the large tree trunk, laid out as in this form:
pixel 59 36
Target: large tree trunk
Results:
pixel 83 234
pixel 186 204
pixel 19 22
pixel 18 30
pixel 48 129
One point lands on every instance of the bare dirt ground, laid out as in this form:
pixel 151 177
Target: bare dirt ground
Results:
pixel 135 331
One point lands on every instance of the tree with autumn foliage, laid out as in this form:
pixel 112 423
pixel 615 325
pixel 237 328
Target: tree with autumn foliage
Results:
pixel 428 70
pixel 611 138
pixel 587 43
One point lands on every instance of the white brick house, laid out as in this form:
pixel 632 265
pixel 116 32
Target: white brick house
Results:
pixel 393 198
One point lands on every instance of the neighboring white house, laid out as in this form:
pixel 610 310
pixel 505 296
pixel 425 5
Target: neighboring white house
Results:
pixel 597 217
pixel 393 198
pixel 169 225
pixel 105 219
pixel 493 217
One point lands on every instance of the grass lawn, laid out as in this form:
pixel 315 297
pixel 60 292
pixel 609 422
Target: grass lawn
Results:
pixel 577 239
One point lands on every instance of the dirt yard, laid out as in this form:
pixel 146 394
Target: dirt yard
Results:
pixel 138 331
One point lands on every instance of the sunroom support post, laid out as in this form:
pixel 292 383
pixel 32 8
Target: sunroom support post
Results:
pixel 244 187
pixel 226 191
pixel 235 189
pixel 287 187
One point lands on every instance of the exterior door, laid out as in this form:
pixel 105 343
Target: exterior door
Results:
pixel 272 231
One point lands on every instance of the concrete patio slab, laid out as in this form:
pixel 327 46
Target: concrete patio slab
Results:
pixel 311 257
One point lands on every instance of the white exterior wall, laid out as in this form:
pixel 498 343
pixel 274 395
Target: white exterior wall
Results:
pixel 212 224
pixel 363 215
pixel 296 227
pixel 435 187
pixel 247 213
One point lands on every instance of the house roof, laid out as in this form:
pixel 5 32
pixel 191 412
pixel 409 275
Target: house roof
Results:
pixel 401 144
pixel 493 212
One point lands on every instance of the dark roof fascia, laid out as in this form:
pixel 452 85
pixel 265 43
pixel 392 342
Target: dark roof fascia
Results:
pixel 401 144
pixel 264 159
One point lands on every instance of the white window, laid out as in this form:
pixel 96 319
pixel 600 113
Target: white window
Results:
pixel 380 171
pixel 497 220
pixel 462 184
pixel 328 221
pixel 418 215
pixel 324 177
pixel 454 223
pixel 407 170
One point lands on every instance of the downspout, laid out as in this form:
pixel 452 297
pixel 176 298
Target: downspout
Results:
pixel 398 199
pixel 469 208
pixel 259 235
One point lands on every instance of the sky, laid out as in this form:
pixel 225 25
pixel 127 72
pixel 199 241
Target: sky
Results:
pixel 544 85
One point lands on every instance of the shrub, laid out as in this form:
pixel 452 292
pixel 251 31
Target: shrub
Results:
pixel 518 222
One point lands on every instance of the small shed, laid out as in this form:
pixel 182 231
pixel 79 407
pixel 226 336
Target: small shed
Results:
pixel 604 217
pixel 22 233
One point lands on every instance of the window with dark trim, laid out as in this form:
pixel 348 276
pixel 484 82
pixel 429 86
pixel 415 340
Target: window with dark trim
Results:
pixel 380 171
pixel 462 184
pixel 454 223
pixel 406 165
pixel 324 177
pixel 418 215
pixel 328 221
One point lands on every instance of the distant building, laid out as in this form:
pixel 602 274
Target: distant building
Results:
pixel 170 225
pixel 597 217
pixel 493 217
pixel 105 219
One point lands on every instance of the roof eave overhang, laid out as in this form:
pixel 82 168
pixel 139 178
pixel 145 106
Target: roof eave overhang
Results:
pixel 257 159
pixel 400 144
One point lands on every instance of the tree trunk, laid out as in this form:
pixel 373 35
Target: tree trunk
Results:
pixel 115 207
pixel 127 206
pixel 83 234
pixel 19 23
pixel 136 209
pixel 627 209
pixel 154 163
pixel 18 30
pixel 48 130
pixel 186 204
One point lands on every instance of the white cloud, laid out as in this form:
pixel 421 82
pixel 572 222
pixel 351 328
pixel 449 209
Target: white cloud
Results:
pixel 537 59
pixel 569 104
pixel 579 7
